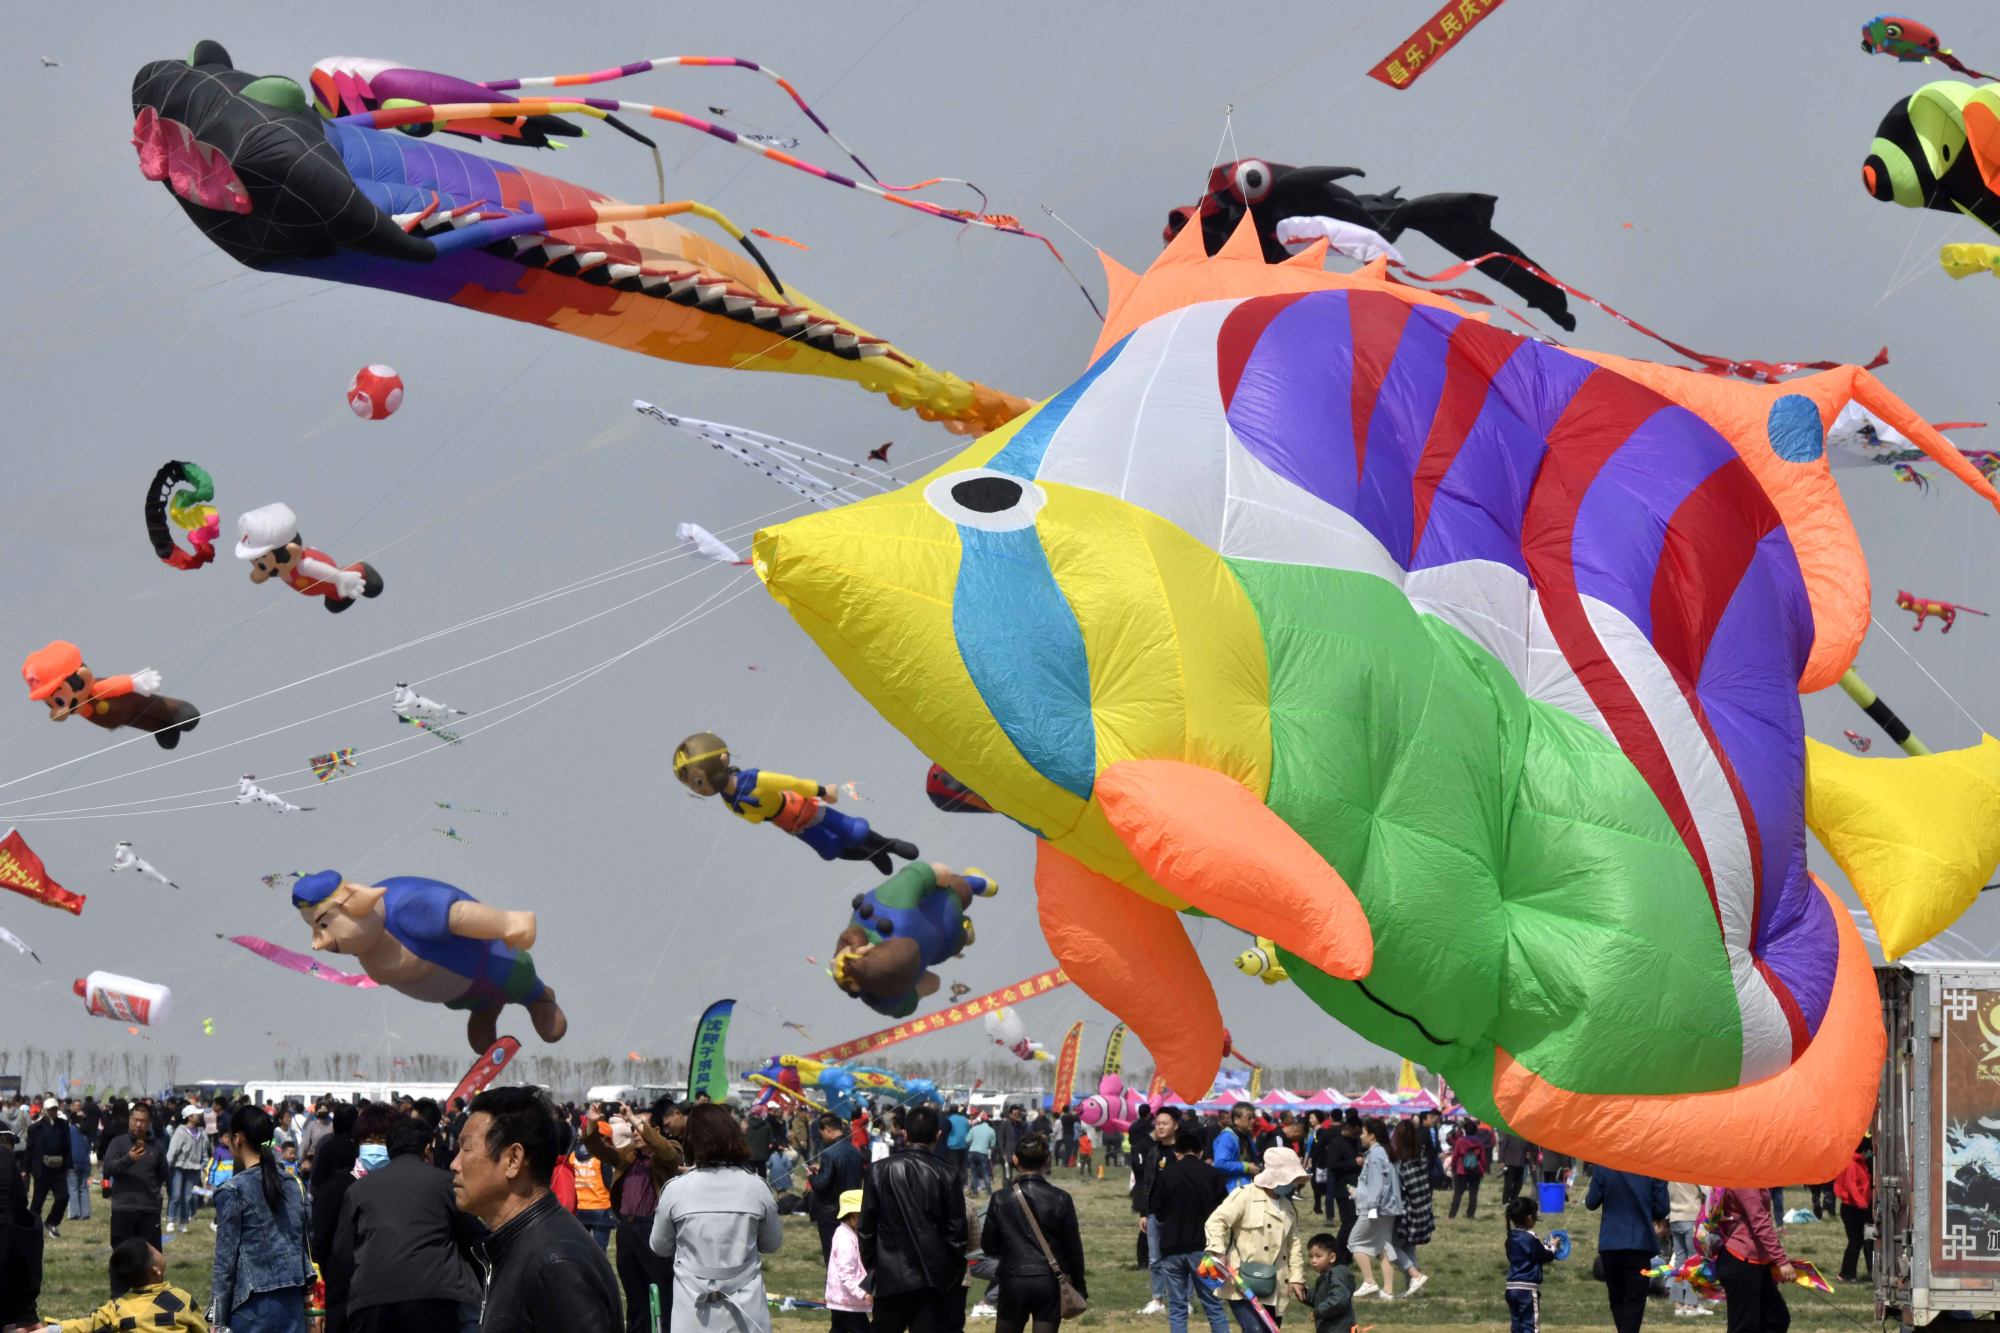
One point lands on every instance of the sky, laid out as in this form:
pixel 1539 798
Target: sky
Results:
pixel 1695 165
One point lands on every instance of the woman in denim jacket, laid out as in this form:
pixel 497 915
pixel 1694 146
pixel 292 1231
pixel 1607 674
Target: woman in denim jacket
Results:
pixel 261 1261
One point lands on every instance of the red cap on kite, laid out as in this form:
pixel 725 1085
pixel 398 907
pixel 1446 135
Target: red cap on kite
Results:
pixel 45 668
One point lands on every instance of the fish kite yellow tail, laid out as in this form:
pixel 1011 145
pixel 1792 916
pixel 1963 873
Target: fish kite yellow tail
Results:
pixel 1918 837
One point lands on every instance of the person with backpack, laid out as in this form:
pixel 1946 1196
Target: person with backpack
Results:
pixel 1471 1153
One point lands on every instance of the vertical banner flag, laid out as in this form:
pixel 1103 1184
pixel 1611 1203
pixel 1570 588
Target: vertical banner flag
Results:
pixel 1407 1082
pixel 1114 1051
pixel 1154 1089
pixel 1066 1066
pixel 22 871
pixel 1428 44
pixel 708 1065
pixel 1256 1082
pixel 485 1069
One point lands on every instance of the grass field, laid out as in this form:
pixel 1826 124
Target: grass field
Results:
pixel 1464 1264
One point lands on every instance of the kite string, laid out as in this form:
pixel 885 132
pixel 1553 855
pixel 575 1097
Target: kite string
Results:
pixel 1891 637
pixel 552 689
pixel 639 565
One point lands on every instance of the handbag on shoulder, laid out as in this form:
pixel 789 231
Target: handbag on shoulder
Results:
pixel 1073 1302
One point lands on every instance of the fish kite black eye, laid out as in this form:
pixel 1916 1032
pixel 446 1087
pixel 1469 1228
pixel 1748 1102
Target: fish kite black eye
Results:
pixel 986 499
pixel 1253 181
pixel 988 495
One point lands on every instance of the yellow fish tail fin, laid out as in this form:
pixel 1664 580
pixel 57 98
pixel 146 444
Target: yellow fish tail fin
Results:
pixel 1918 837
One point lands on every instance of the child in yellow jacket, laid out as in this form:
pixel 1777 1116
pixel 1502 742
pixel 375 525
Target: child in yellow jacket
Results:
pixel 149 1302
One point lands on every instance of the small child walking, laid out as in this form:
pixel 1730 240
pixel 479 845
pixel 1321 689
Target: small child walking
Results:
pixel 845 1298
pixel 1332 1295
pixel 1083 1153
pixel 1526 1253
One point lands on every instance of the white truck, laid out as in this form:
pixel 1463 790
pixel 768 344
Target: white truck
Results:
pixel 1937 1145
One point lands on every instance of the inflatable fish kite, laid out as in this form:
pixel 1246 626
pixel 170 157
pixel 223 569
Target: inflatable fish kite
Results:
pixel 1940 148
pixel 283 191
pixel 1461 666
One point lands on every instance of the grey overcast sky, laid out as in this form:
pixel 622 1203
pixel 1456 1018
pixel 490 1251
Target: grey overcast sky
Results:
pixel 1696 164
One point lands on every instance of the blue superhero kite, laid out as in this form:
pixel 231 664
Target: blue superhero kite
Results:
pixel 901 929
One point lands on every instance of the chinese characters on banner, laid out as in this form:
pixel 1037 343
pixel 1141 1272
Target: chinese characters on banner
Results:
pixel 1066 1067
pixel 23 872
pixel 1038 984
pixel 1428 44
pixel 1967 1235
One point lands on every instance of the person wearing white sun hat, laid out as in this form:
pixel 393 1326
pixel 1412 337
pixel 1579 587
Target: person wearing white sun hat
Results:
pixel 1255 1232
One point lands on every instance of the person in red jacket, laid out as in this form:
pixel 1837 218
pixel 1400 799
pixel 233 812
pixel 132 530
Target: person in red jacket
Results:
pixel 1854 1187
pixel 1752 1261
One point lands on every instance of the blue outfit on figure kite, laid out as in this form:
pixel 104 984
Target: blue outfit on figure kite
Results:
pixel 434 942
pixel 901 929
pixel 799 806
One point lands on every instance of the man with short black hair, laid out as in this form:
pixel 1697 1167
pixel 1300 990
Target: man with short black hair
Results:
pixel 543 1272
pixel 136 1166
pixel 403 1241
pixel 1185 1191
pixel 838 1170
pixel 913 1234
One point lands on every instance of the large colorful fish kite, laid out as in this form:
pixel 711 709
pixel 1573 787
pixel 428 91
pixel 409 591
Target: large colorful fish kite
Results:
pixel 1462 666
pixel 283 191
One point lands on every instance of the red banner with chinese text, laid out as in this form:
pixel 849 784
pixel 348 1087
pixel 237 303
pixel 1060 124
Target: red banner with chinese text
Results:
pixel 23 872
pixel 1428 44
pixel 976 1007
pixel 1066 1066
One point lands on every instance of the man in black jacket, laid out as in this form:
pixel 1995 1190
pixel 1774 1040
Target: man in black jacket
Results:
pixel 837 1170
pixel 913 1234
pixel 403 1243
pixel 1150 1152
pixel 1028 1289
pixel 48 1156
pixel 1185 1191
pixel 1007 1136
pixel 136 1166
pixel 544 1274
pixel 1343 1169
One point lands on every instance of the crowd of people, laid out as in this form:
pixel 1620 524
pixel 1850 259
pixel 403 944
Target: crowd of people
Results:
pixel 511 1213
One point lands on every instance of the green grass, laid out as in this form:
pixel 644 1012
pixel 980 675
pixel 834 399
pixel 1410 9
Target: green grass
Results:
pixel 1464 1263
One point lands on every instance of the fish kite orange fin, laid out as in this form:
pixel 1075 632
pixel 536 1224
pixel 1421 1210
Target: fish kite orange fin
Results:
pixel 1801 1124
pixel 1127 953
pixel 1207 840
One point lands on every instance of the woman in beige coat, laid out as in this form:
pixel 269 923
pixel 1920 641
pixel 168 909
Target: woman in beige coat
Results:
pixel 1259 1225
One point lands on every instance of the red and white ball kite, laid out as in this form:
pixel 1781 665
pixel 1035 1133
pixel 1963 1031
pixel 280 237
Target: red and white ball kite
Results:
pixel 375 392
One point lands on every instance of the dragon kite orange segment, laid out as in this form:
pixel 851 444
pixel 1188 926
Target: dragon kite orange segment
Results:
pixel 329 199
pixel 1947 613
